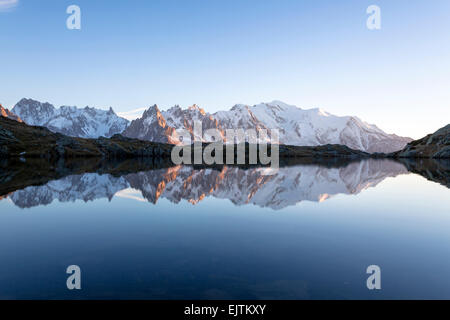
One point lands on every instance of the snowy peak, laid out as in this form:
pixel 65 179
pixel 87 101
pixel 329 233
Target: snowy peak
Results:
pixel 311 127
pixel 33 112
pixel 151 126
pixel 154 114
pixel 178 118
pixel 162 126
pixel 69 120
pixel 296 126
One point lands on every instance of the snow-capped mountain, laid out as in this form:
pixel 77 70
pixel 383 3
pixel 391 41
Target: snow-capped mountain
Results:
pixel 152 126
pixel 287 187
pixel 71 121
pixel 162 126
pixel 184 119
pixel 8 114
pixel 86 187
pixel 296 126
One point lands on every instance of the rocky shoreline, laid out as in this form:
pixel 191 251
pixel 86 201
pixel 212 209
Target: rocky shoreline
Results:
pixel 435 145
pixel 18 140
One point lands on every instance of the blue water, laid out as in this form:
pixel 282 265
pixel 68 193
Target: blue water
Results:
pixel 214 248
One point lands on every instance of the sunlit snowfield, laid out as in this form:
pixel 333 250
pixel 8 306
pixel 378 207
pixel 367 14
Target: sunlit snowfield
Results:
pixel 311 234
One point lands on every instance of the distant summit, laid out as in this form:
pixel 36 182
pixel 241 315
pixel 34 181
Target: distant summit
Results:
pixel 72 121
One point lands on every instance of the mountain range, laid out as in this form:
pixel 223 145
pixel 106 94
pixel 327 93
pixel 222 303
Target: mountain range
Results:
pixel 72 121
pixel 287 187
pixel 296 126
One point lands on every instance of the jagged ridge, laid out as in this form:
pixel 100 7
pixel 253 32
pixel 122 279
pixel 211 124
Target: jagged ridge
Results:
pixel 296 126
pixel 72 121
pixel 288 186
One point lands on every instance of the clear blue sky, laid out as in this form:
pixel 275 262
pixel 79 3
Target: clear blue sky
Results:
pixel 216 53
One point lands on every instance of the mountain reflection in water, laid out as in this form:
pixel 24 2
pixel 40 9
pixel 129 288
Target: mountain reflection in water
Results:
pixel 285 187
pixel 224 232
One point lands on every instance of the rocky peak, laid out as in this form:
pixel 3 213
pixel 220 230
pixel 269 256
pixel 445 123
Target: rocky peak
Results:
pixel 111 111
pixel 435 145
pixel 196 108
pixel 151 126
pixel 238 107
pixel 8 114
pixel 153 114
pixel 151 111
pixel 34 112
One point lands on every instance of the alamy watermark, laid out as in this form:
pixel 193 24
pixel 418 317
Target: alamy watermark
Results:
pixel 374 280
pixel 73 22
pixel 240 146
pixel 74 280
pixel 374 20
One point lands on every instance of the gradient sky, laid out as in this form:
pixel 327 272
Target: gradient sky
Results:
pixel 132 54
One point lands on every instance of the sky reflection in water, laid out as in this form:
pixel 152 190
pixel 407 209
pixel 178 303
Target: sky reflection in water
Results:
pixel 309 232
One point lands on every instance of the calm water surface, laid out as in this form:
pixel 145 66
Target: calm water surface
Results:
pixel 305 232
